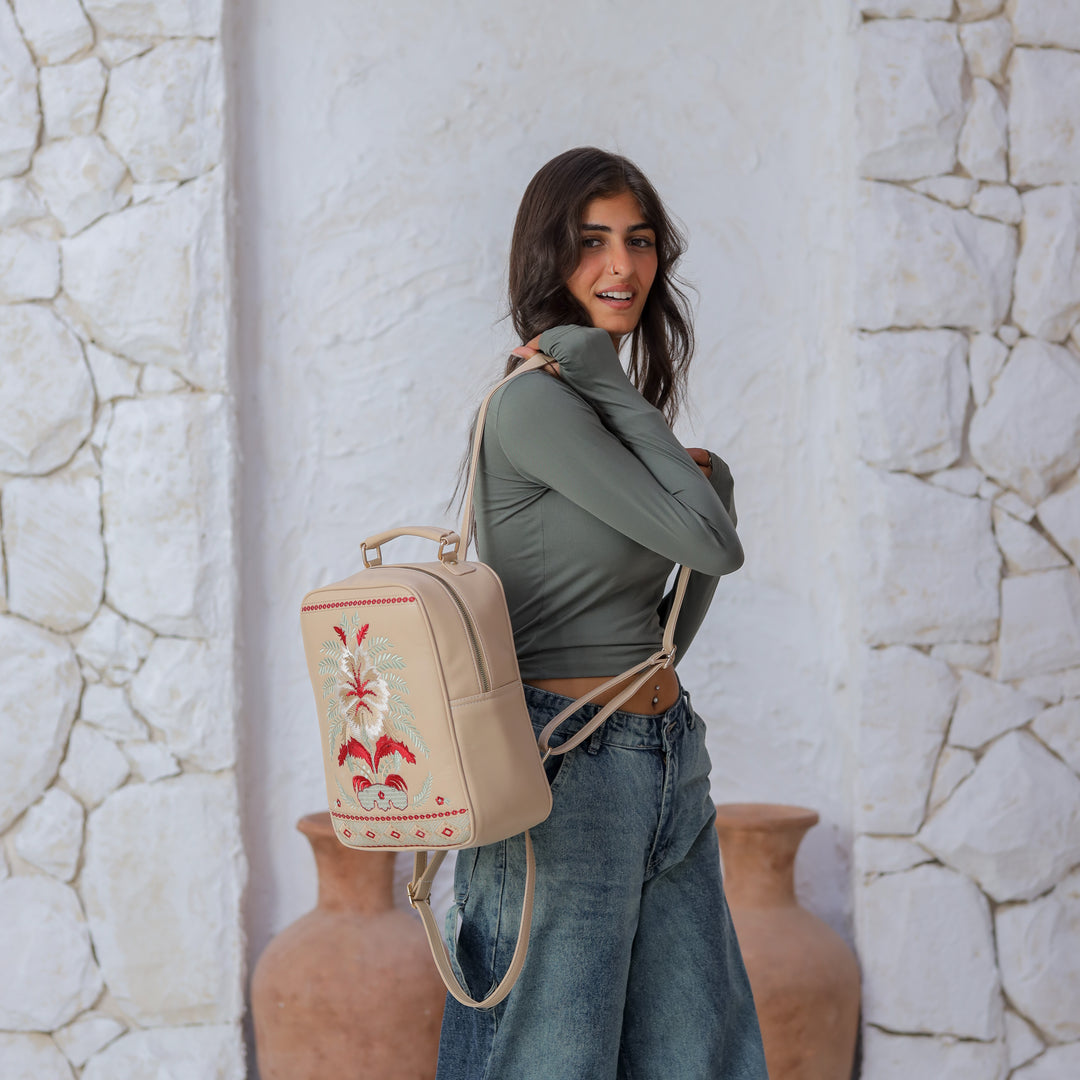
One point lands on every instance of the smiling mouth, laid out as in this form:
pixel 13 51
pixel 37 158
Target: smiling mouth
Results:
pixel 618 295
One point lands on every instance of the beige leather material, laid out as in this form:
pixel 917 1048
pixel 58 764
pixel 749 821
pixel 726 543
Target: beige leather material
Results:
pixel 427 741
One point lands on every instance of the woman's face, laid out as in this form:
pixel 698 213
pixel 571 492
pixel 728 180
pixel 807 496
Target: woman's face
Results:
pixel 617 264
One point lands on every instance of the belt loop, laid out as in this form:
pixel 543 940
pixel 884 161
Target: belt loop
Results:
pixel 595 739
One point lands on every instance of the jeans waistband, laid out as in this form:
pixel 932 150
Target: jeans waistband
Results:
pixel 629 729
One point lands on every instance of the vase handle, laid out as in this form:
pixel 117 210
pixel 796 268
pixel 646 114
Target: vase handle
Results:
pixel 420 898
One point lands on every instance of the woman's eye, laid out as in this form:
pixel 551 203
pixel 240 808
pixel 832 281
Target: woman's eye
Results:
pixel 590 241
pixel 641 242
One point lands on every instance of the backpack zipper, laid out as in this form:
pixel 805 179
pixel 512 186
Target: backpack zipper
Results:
pixel 470 629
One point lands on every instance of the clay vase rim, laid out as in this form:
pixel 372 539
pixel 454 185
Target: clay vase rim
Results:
pixel 317 826
pixel 762 816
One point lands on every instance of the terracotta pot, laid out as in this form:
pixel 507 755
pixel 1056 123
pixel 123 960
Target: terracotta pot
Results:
pixel 804 976
pixel 349 990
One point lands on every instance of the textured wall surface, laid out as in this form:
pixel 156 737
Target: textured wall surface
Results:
pixel 121 867
pixel 380 162
pixel 967 803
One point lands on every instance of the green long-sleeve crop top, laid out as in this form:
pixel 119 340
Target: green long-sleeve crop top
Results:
pixel 585 500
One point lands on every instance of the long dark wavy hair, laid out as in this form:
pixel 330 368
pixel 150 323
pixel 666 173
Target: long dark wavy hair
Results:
pixel 545 251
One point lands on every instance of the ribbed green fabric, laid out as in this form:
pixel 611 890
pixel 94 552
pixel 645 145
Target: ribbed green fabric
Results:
pixel 585 500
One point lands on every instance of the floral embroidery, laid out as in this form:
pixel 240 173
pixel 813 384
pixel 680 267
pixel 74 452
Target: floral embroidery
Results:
pixel 365 692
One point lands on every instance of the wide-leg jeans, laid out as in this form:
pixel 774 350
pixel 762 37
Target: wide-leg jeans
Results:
pixel 633 971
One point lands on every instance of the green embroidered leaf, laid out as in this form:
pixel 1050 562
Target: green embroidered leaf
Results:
pixel 328 685
pixel 330 647
pixel 423 793
pixel 390 662
pixel 403 725
pixel 328 666
pixel 397 705
pixel 395 682
pixel 379 645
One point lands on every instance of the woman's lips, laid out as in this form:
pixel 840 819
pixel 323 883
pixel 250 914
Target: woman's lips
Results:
pixel 617 305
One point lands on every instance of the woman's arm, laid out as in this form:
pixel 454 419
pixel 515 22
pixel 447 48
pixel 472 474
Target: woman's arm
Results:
pixel 609 451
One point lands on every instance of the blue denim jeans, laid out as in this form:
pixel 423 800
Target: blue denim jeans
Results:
pixel 633 971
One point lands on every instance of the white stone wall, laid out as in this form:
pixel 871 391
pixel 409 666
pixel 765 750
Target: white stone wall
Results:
pixel 967 805
pixel 120 856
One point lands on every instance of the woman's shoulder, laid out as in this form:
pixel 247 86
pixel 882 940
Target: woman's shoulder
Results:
pixel 521 397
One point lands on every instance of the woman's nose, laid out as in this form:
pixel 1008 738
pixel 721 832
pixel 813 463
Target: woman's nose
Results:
pixel 620 261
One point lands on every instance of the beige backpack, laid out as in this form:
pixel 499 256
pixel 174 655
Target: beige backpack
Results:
pixel 426 737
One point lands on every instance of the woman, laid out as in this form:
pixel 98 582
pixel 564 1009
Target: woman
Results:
pixel 585 501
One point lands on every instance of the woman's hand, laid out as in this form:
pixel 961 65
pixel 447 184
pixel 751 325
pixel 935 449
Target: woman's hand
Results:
pixel 531 348
pixel 701 457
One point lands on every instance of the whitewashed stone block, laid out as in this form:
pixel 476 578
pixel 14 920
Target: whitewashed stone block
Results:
pixel 114 646
pixel 205 1053
pixel 151 761
pixel 1044 117
pixel 986 709
pixel 887 854
pixel 32 1057
pixel 116 50
pixel 19 118
pixel 989 490
pixel 1047 299
pixel 1021 1039
pixel 1027 435
pixel 1009 334
pixel 148 282
pixel 953 766
pixel 1040 624
pixel 969 10
pixel 107 708
pixel 987 45
pixel 81 179
pixel 998 201
pixel 902 9
pixel 929 564
pixel 87 1035
pixel 29 266
pixel 185 689
pixel 46 395
pixel 907 699
pixel 52 540
pixel 113 376
pixel 1047 688
pixel 1056 1063
pixel 1046 22
pixel 39 693
pixel 94 765
pixel 908 98
pixel 925 940
pixel 983 137
pixel 986 357
pixel 51 833
pixel 954 190
pixel 165 481
pixel 1059 728
pixel 18 203
pixel 920 263
pixel 54 29
pixel 1024 548
pixel 42 930
pixel 1060 515
pixel 156 379
pixel 963 654
pixel 1011 503
pixel 1040 971
pixel 911 398
pixel 163 111
pixel 157 18
pixel 71 97
pixel 962 480
pixel 899 1057
pixel 195 871
pixel 1017 846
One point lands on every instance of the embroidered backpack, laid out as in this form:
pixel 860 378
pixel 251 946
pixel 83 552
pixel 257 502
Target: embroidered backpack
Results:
pixel 427 741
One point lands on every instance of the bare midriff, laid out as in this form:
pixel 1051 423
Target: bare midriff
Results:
pixel 664 688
